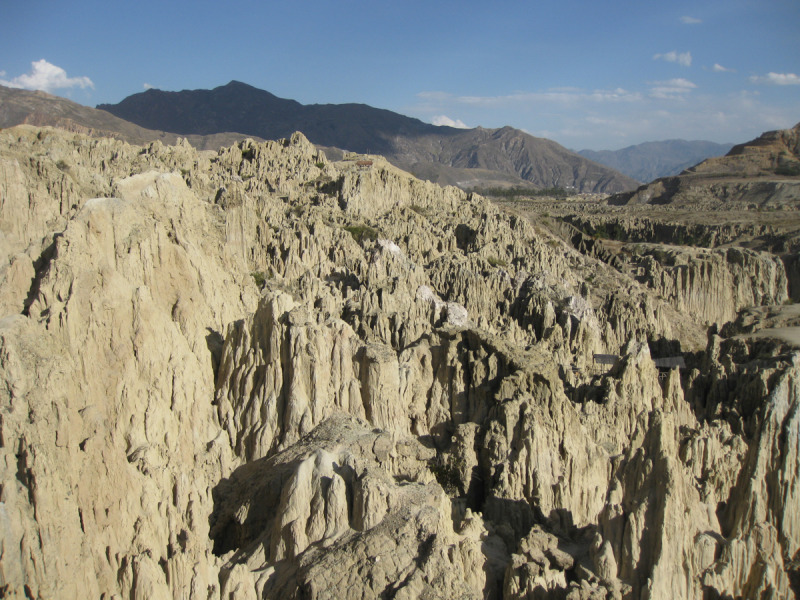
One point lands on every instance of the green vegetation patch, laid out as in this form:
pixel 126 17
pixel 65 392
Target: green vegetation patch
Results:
pixel 362 232
pixel 789 170
pixel 447 476
pixel 608 231
pixel 522 193
pixel 260 278
pixel 661 256
pixel 496 262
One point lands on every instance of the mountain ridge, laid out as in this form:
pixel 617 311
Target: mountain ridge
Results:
pixel 19 107
pixel 650 160
pixel 519 158
pixel 764 171
pixel 171 111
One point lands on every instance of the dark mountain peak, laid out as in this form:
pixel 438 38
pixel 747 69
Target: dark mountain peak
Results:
pixel 235 106
pixel 235 84
pixel 41 109
pixel 406 141
pixel 248 93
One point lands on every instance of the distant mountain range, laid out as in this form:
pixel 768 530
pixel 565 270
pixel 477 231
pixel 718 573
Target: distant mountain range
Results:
pixel 470 158
pixel 465 157
pixel 651 160
pixel 762 174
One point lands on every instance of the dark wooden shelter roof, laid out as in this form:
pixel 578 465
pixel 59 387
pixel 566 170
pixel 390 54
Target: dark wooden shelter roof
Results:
pixel 606 359
pixel 670 362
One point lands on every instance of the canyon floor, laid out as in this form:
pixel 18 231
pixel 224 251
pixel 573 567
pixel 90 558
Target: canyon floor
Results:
pixel 259 373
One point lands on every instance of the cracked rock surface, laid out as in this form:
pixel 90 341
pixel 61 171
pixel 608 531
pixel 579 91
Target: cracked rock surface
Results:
pixel 256 373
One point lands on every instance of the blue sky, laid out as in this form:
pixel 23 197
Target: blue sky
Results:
pixel 588 74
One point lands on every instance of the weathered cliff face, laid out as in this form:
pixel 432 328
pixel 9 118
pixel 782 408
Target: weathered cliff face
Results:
pixel 256 373
pixel 758 230
pixel 106 485
pixel 711 284
pixel 348 512
pixel 714 285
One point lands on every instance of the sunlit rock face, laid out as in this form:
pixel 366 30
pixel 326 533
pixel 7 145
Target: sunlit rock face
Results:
pixel 254 373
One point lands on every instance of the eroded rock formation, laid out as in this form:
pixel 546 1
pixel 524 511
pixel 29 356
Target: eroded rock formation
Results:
pixel 255 373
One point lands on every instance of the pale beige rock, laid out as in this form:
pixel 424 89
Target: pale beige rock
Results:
pixel 715 285
pixel 258 374
pixel 16 280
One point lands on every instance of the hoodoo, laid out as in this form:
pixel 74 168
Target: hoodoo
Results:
pixel 259 373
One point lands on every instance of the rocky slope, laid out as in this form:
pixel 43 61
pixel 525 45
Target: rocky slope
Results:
pixel 709 240
pixel 711 284
pixel 255 373
pixel 763 173
pixel 506 150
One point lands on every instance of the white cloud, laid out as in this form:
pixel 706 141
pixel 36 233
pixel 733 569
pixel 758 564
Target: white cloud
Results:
pixel 148 86
pixel 690 20
pixel 718 68
pixel 434 96
pixel 777 79
pixel 683 58
pixel 613 118
pixel 618 94
pixel 448 122
pixel 566 89
pixel 47 77
pixel 728 118
pixel 672 89
pixel 564 95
